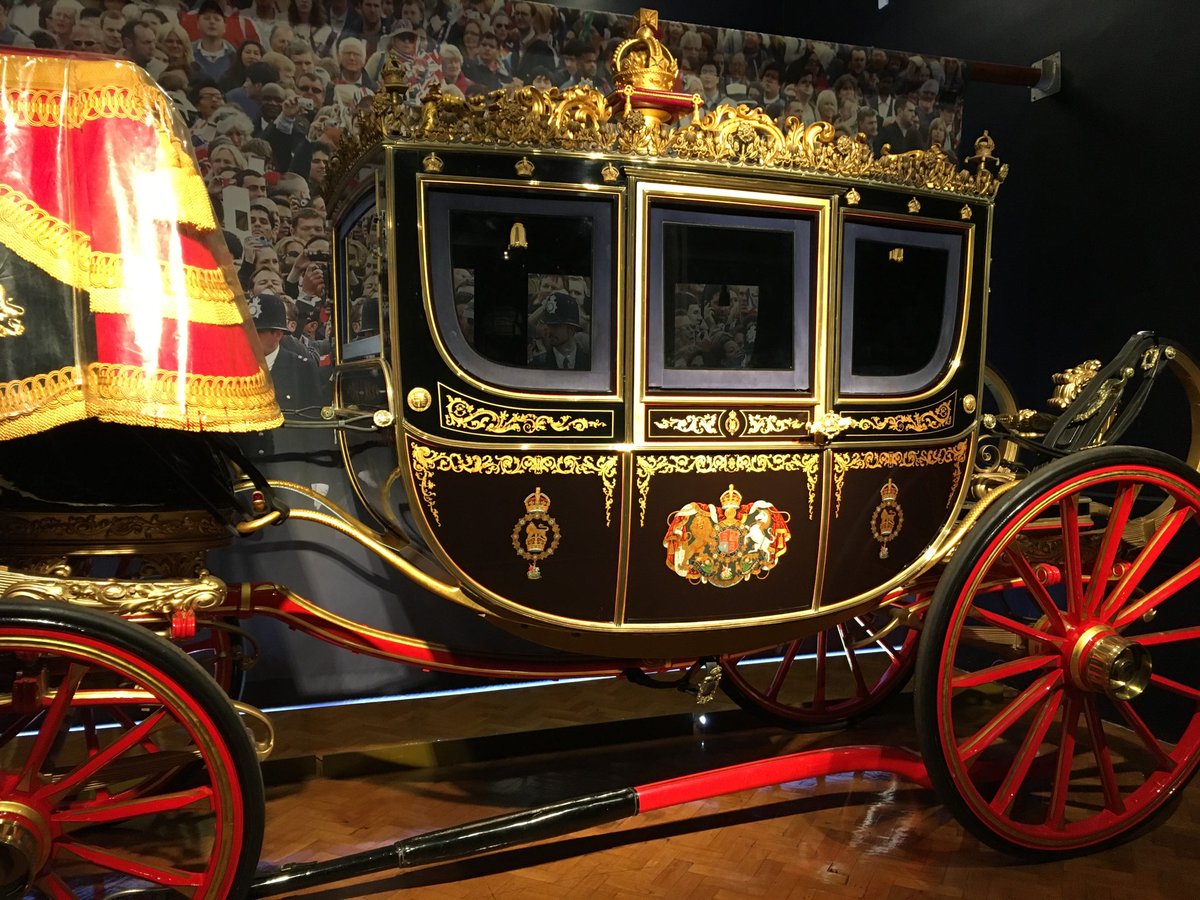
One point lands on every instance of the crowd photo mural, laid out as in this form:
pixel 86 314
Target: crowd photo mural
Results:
pixel 268 87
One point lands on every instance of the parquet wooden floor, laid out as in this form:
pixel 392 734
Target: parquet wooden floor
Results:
pixel 837 837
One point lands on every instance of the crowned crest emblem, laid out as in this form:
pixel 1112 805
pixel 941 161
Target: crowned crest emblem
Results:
pixel 535 536
pixel 726 544
pixel 643 61
pixel 888 517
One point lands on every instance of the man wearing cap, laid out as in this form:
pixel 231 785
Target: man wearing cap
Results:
pixel 213 52
pixel 560 315
pixel 295 375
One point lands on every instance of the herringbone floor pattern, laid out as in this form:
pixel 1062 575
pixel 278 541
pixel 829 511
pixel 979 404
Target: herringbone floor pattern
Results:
pixel 847 836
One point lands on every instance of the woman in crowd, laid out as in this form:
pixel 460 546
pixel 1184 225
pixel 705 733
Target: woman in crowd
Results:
pixel 248 54
pixel 307 18
pixel 827 107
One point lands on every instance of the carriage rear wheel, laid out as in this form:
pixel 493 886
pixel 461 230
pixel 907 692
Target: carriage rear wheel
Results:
pixel 123 767
pixel 1057 696
pixel 836 676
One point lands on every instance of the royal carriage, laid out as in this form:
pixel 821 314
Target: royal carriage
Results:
pixel 705 398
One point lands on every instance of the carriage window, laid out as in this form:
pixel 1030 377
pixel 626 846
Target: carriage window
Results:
pixel 900 290
pixel 522 287
pixel 363 316
pixel 729 297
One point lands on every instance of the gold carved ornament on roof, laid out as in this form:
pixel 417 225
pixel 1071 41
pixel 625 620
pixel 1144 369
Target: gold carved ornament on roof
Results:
pixel 581 118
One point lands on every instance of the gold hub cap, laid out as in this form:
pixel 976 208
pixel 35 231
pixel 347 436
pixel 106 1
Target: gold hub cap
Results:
pixel 1105 662
pixel 24 847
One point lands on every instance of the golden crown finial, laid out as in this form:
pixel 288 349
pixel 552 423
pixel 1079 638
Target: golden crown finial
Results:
pixel 643 61
pixel 731 499
pixel 537 502
pixel 889 492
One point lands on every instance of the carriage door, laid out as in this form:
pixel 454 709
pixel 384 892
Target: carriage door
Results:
pixel 727 477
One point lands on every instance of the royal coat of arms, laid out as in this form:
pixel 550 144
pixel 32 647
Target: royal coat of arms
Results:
pixel 727 544
pixel 536 534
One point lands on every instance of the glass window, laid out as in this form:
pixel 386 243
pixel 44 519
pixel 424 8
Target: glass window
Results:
pixel 364 316
pixel 522 287
pixel 729 297
pixel 900 290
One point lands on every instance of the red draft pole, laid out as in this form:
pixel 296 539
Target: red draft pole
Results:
pixel 576 814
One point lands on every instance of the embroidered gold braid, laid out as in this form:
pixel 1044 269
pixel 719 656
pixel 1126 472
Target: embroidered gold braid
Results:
pixel 34 404
pixel 131 396
pixel 138 101
pixel 65 254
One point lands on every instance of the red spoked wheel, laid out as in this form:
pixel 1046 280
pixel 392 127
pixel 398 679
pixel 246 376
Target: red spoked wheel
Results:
pixel 1058 696
pixel 835 676
pixel 123 767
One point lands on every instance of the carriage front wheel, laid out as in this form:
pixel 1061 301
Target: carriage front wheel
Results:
pixel 123 767
pixel 1057 693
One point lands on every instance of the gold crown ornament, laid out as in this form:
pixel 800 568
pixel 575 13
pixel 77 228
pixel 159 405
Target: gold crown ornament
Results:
pixel 643 61
pixel 731 499
pixel 889 492
pixel 537 503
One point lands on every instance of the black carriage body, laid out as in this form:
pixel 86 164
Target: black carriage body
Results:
pixel 850 426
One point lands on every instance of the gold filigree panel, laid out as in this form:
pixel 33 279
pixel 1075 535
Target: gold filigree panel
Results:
pixel 727 423
pixel 426 462
pixel 695 464
pixel 898 459
pixel 472 416
pixel 933 418
pixel 127 598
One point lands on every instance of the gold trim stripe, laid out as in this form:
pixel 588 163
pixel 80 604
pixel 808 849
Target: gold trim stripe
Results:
pixel 131 396
pixel 473 416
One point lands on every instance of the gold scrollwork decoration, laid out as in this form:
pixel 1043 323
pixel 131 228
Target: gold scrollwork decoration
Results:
pixel 940 415
pixel 695 423
pixel 460 414
pixel 687 464
pixel 897 459
pixel 766 423
pixel 426 462
pixel 127 598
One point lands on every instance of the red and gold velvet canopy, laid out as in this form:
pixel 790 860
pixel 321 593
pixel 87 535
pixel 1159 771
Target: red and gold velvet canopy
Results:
pixel 118 296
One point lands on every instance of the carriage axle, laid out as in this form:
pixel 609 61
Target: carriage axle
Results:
pixel 578 813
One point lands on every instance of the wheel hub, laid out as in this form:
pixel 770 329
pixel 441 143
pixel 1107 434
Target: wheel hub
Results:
pixel 24 847
pixel 1104 661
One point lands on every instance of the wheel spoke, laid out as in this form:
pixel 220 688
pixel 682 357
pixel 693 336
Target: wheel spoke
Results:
pixel 1108 778
pixel 1001 671
pixel 1072 566
pixel 1162 759
pixel 51 725
pixel 1012 625
pixel 1066 756
pixel 1024 757
pixel 123 862
pixel 1175 687
pixel 1164 591
pixel 785 665
pixel 992 731
pixel 59 789
pixel 1169 637
pixel 1145 561
pixel 1109 545
pixel 131 809
pixel 822 656
pixel 54 887
pixel 852 660
pixel 1037 591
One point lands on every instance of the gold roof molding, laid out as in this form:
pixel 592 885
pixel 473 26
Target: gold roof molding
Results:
pixel 582 119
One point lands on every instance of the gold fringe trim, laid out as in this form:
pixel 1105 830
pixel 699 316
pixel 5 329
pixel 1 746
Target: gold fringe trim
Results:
pixel 65 253
pixel 129 395
pixel 41 100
